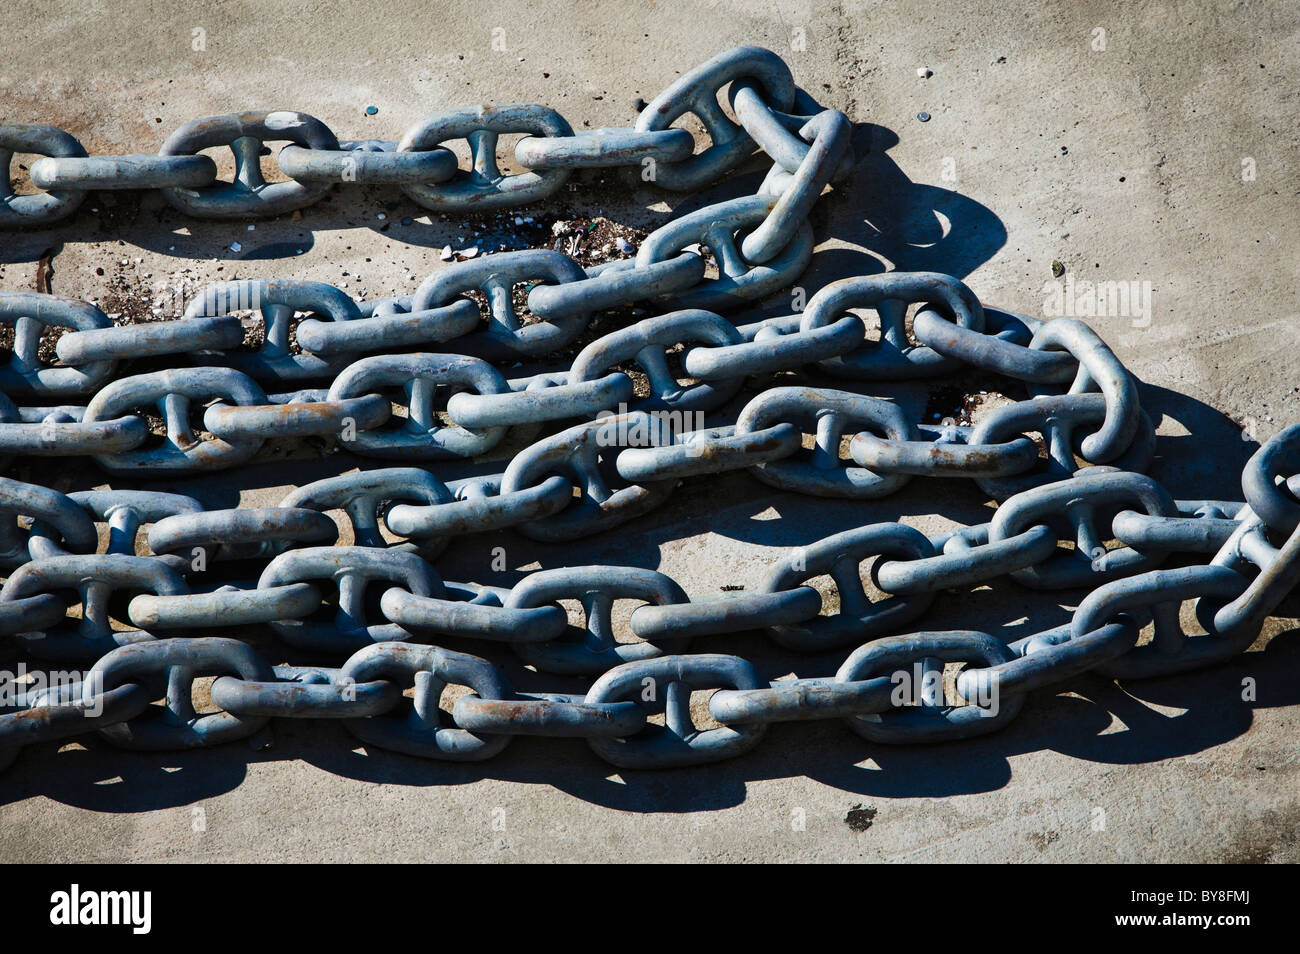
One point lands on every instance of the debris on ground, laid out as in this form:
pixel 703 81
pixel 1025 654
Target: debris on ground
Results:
pixel 860 818
pixel 594 241
pixel 966 398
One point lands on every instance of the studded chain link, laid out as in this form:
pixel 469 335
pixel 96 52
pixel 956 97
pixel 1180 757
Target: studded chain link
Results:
pixel 1075 510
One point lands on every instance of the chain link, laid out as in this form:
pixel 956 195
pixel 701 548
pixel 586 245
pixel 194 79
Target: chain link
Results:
pixel 615 444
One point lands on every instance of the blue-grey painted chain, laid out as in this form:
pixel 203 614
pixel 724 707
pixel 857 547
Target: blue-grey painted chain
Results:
pixel 1254 565
pixel 610 451
pixel 314 160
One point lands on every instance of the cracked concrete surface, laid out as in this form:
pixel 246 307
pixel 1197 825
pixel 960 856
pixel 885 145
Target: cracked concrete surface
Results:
pixel 1128 163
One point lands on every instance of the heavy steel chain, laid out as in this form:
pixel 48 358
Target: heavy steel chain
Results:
pixel 1075 510
pixel 807 143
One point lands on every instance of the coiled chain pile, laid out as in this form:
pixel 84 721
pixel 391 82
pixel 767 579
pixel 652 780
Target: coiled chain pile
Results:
pixel 1080 516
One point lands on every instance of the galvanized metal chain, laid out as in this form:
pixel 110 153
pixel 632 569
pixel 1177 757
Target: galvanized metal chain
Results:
pixel 1059 514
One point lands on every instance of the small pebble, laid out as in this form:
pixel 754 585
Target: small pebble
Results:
pixel 235 247
pixel 624 246
pixel 924 72
pixel 1057 268
pixel 446 254
pixel 923 116
pixel 470 252
pixel 372 110
pixel 381 216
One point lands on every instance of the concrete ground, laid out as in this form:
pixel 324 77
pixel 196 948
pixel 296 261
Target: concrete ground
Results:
pixel 1160 149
